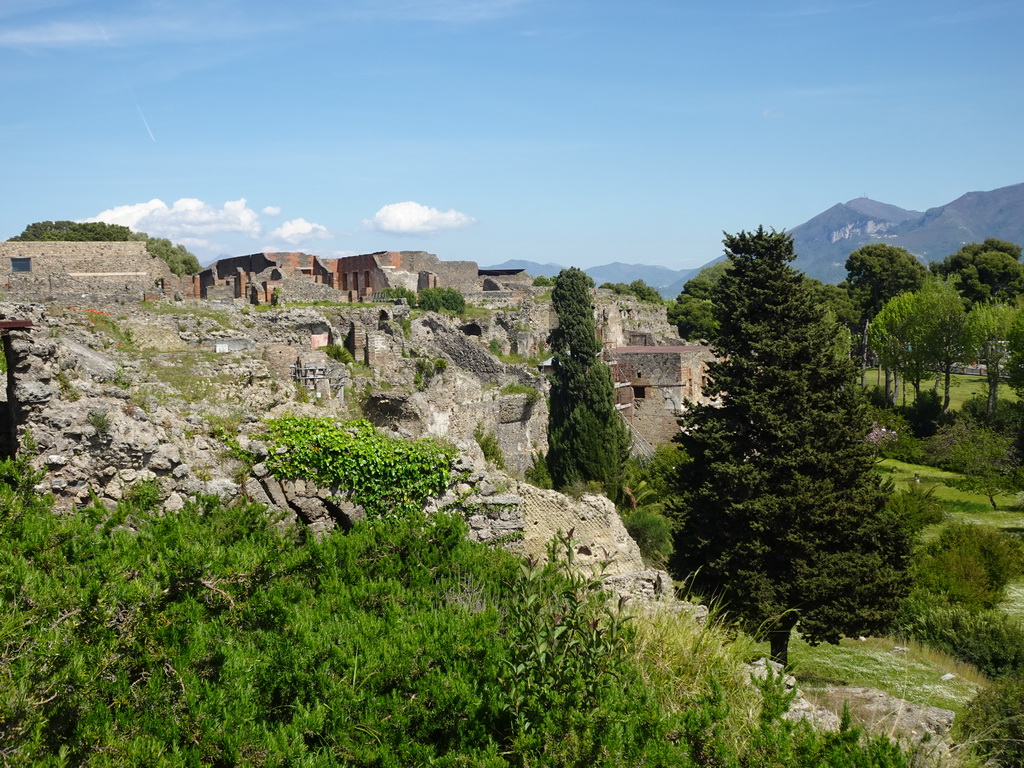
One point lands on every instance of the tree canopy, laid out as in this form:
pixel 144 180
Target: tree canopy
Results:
pixel 586 438
pixel 985 271
pixel 782 513
pixel 178 258
pixel 879 272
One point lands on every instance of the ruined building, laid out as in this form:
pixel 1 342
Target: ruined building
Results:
pixel 302 276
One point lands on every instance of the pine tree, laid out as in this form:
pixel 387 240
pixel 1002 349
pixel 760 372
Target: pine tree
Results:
pixel 783 516
pixel 586 438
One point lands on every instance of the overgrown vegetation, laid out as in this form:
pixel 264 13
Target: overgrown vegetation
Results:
pixel 385 475
pixel 215 637
pixel 489 446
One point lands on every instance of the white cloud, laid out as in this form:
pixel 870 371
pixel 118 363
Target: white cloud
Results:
pixel 411 218
pixel 187 218
pixel 298 230
pixel 272 210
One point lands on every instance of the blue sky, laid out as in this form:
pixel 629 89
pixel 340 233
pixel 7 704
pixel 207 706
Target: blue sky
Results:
pixel 576 132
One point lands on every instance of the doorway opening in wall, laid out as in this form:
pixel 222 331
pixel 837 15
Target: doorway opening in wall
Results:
pixel 639 393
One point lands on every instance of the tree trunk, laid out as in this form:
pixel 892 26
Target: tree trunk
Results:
pixel 779 640
pixel 864 355
pixel 992 372
pixel 945 396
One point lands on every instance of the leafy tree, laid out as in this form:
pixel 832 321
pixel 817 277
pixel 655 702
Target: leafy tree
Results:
pixel 837 300
pixel 587 441
pixel 693 310
pixel 878 272
pixel 543 281
pixel 947 336
pixel 985 271
pixel 177 257
pixel 75 231
pixel 897 336
pixel 645 292
pixel 875 274
pixel 637 288
pixel 783 514
pixel 989 327
pixel 693 317
pixel 986 459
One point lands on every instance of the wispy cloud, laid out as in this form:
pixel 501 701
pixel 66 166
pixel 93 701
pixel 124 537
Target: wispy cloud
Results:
pixel 228 20
pixel 975 12
pixel 411 218
pixel 448 11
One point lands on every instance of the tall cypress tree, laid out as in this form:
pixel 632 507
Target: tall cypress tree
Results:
pixel 783 515
pixel 586 438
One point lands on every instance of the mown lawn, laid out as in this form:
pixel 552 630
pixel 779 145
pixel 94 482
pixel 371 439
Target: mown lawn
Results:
pixel 961 389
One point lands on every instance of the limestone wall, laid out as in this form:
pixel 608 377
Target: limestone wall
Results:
pixel 115 260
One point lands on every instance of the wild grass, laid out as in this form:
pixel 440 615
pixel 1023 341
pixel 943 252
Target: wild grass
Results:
pixel 914 675
pixel 220 316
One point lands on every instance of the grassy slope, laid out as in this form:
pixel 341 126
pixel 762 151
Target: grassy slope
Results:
pixel 914 675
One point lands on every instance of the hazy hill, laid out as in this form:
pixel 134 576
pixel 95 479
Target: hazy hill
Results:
pixel 668 281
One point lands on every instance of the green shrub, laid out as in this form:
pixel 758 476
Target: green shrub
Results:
pixel 537 473
pixel 917 507
pixel 339 353
pixel 390 294
pixel 436 299
pixel 426 370
pixel 652 532
pixel 543 281
pixel 989 639
pixel 969 565
pixel 214 636
pixel 489 445
pixel 993 724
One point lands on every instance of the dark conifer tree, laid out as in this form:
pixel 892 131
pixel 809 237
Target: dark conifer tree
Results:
pixel 783 515
pixel 586 438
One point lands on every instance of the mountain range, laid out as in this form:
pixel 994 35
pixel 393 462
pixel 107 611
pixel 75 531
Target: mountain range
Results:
pixel 825 241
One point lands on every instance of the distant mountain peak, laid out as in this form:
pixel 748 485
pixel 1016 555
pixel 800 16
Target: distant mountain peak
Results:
pixel 824 242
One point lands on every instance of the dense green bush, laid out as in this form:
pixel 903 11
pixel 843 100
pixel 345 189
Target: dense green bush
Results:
pixel 339 353
pixel 398 292
pixel 436 299
pixel 989 639
pixel 969 565
pixel 652 532
pixel 917 507
pixel 993 724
